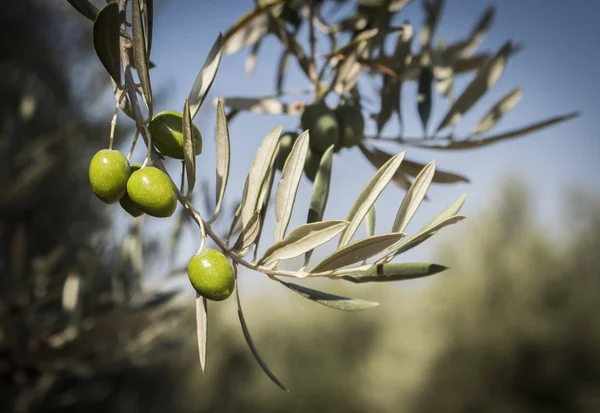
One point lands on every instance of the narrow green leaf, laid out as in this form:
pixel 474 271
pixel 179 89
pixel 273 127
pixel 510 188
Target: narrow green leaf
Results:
pixel 448 212
pixel 354 43
pixel 424 93
pixel 149 24
pixel 86 8
pixel 189 150
pixel 413 168
pixel 107 39
pixel 369 195
pixel 330 300
pixel 413 198
pixel 467 47
pixel 249 232
pixel 357 251
pixel 250 342
pixel 495 114
pixel 432 12
pixel 262 106
pixel 249 28
pixel 516 133
pixel 423 235
pixel 483 81
pixel 223 157
pixel 140 55
pixel 302 239
pixel 281 71
pixel 370 222
pixel 201 330
pixel 320 192
pixel 378 158
pixel 394 272
pixel 206 76
pixel 251 59
pixel 285 195
pixel 259 172
pixel 263 202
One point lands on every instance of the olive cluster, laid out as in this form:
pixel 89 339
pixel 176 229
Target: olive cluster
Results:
pixel 341 127
pixel 148 190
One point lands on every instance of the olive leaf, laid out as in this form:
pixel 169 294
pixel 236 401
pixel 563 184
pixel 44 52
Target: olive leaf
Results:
pixel 424 92
pixel 251 59
pixel 86 8
pixel 302 239
pixel 289 41
pixel 206 76
pixel 468 144
pixel 281 71
pixel 140 56
pixel 260 106
pixel 413 168
pixel 448 212
pixel 320 192
pixel 433 9
pixel 413 198
pixel 467 47
pixel 250 342
pixel 258 173
pixel 483 81
pixel 249 232
pixel 70 292
pixel 394 272
pixel 263 202
pixel 358 251
pixel 378 158
pixel 369 195
pixel 106 40
pixel 349 70
pixel 495 114
pixel 285 195
pixel 424 234
pixel 201 330
pixel 189 150
pixel 223 157
pixel 149 24
pixel 330 300
pixel 249 28
pixel 370 222
pixel 354 43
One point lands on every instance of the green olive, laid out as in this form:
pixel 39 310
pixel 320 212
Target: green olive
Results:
pixel 311 164
pixel 322 126
pixel 127 204
pixel 151 190
pixel 108 173
pixel 286 142
pixel 352 124
pixel 167 134
pixel 211 274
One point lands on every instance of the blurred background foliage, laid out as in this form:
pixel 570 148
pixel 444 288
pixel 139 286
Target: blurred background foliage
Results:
pixel 510 328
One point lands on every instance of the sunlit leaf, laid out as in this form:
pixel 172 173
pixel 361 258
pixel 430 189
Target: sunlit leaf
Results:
pixel 285 195
pixel 86 8
pixel 70 292
pixel 251 59
pixel 249 232
pixel 206 76
pixel 302 239
pixel 369 195
pixel 140 56
pixel 223 157
pixel 249 28
pixel 268 106
pixel 448 212
pixel 432 10
pixel 189 150
pixel 495 114
pixel 263 203
pixel 467 47
pixel 107 39
pixel 357 251
pixel 413 198
pixel 263 159
pixel 201 330
pixel 370 222
pixel 320 192
pixel 394 272
pixel 423 235
pixel 483 81
pixel 250 342
pixel 330 300
pixel 378 158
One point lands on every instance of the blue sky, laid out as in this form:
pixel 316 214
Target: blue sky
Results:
pixel 557 69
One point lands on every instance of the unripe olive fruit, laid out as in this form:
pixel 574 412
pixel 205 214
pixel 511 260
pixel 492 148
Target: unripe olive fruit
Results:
pixel 322 126
pixel 286 142
pixel 167 134
pixel 127 204
pixel 108 173
pixel 352 124
pixel 151 190
pixel 311 164
pixel 211 274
